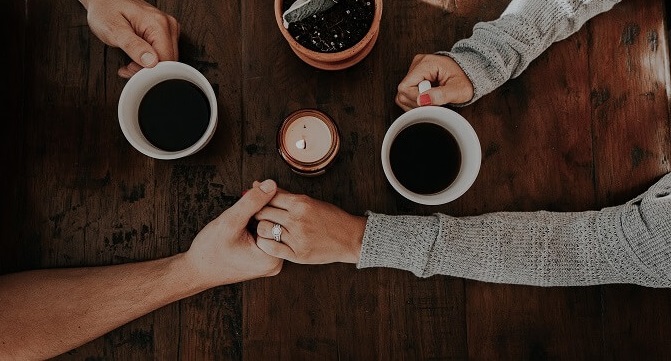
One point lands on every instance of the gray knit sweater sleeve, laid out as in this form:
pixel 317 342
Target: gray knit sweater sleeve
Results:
pixel 501 49
pixel 630 243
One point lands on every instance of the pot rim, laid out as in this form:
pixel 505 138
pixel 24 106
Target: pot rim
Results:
pixel 336 56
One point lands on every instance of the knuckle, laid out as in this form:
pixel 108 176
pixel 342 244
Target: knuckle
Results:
pixel 160 21
pixel 301 204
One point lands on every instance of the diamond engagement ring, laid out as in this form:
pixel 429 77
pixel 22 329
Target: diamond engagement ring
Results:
pixel 277 232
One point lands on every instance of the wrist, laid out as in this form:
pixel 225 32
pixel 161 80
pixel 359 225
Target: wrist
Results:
pixel 186 274
pixel 355 240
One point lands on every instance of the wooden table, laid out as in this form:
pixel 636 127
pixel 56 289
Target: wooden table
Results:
pixel 586 126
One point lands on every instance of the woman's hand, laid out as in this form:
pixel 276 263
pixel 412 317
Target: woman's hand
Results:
pixel 313 232
pixel 450 83
pixel 145 33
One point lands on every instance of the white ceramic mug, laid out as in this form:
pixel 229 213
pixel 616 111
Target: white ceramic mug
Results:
pixel 135 89
pixel 463 133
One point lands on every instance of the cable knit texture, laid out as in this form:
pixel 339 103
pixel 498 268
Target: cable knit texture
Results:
pixel 501 49
pixel 630 243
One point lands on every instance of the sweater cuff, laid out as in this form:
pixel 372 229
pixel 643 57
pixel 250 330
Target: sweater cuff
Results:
pixel 402 242
pixel 478 70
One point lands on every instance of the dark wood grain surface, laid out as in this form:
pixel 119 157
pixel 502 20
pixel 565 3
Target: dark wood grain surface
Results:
pixel 586 126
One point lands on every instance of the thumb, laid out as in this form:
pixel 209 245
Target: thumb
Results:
pixel 436 96
pixel 252 201
pixel 279 190
pixel 275 249
pixel 454 92
pixel 137 48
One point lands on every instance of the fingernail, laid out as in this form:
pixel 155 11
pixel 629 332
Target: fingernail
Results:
pixel 148 59
pixel 424 99
pixel 267 186
pixel 423 86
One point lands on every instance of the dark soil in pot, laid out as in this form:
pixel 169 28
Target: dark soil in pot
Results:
pixel 336 29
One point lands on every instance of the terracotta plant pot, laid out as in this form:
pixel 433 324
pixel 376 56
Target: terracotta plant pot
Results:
pixel 337 60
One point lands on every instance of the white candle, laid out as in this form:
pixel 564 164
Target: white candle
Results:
pixel 312 134
pixel 308 141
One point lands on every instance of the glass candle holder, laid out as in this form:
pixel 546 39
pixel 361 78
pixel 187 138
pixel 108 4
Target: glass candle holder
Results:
pixel 308 141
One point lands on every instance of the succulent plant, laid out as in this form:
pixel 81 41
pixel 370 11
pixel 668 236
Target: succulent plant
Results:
pixel 302 9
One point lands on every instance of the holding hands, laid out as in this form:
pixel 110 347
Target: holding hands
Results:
pixel 312 231
pixel 451 85
pixel 225 252
pixel 145 33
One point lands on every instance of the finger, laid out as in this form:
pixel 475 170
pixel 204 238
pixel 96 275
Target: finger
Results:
pixel 250 203
pixel 175 28
pixel 417 73
pixel 283 199
pixel 162 38
pixel 288 201
pixel 279 190
pixel 137 48
pixel 405 103
pixel 409 83
pixel 265 229
pixel 275 249
pixel 446 94
pixel 416 60
pixel 129 70
pixel 124 72
pixel 273 215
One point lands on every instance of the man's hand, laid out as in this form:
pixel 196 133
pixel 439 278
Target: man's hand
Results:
pixel 145 33
pixel 225 252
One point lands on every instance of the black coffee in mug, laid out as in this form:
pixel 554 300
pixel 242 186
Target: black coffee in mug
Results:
pixel 174 114
pixel 425 158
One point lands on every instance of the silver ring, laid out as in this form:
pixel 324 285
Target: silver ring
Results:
pixel 277 232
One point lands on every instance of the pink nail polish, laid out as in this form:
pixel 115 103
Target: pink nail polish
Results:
pixel 424 99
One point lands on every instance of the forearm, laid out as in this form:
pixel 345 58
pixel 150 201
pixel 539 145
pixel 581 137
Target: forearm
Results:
pixel 508 248
pixel 501 49
pixel 47 312
pixel 624 244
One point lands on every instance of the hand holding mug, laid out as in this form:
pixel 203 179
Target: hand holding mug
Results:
pixel 168 111
pixel 145 33
pixel 451 85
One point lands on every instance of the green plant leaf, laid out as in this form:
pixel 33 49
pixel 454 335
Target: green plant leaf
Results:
pixel 302 9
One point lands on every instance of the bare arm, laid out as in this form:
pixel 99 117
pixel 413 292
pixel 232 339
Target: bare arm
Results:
pixel 47 312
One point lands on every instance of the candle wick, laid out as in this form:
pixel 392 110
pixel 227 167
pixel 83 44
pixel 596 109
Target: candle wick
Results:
pixel 301 144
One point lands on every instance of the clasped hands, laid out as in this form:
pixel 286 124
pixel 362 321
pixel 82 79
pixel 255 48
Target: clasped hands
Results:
pixel 313 232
